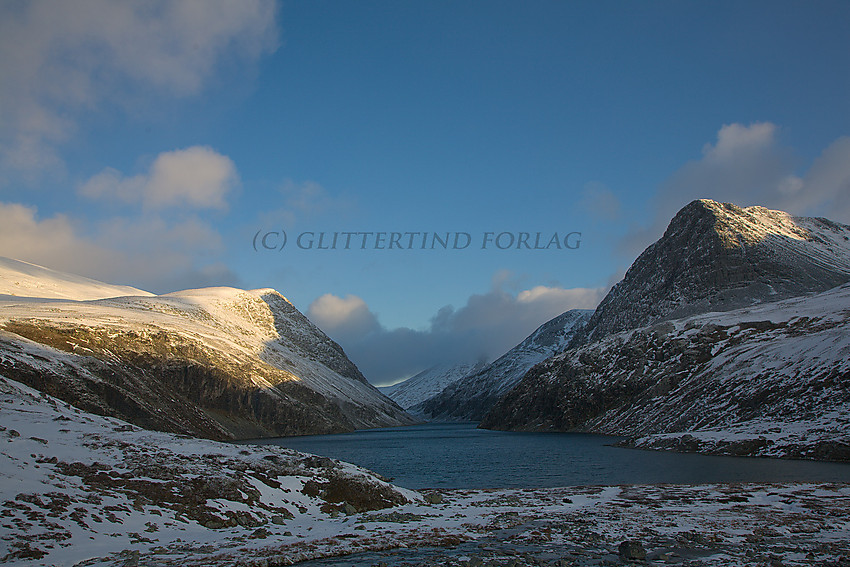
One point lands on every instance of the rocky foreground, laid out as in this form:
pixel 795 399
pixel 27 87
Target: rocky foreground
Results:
pixel 79 489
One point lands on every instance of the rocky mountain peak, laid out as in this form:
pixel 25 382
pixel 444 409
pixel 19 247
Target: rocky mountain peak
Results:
pixel 717 257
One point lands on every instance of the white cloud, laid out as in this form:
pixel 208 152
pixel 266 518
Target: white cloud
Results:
pixel 150 252
pixel 746 166
pixel 170 241
pixel 825 188
pixel 486 327
pixel 58 59
pixel 733 140
pixel 554 298
pixel 306 197
pixel 53 242
pixel 347 318
pixel 307 200
pixel 196 177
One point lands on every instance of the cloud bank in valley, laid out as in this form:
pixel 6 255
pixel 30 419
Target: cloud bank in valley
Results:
pixel 485 327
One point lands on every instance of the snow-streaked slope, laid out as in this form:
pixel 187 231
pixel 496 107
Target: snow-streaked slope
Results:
pixel 74 486
pixel 428 383
pixel 23 279
pixel 82 490
pixel 216 362
pixel 471 397
pixel 719 257
pixel 780 371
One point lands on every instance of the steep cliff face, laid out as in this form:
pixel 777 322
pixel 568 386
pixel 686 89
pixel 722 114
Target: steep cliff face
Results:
pixel 220 363
pixel 718 257
pixel 779 372
pixel 717 327
pixel 471 397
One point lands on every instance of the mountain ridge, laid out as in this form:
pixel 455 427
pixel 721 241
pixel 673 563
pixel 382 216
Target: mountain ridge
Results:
pixel 221 363
pixel 736 319
pixel 718 257
pixel 428 383
pixel 469 398
pixel 23 279
pixel 775 377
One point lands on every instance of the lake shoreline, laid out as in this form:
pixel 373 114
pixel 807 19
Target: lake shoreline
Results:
pixel 459 455
pixel 81 490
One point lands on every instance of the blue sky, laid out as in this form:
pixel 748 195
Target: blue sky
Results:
pixel 147 143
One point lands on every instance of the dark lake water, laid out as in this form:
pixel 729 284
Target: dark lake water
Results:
pixel 440 455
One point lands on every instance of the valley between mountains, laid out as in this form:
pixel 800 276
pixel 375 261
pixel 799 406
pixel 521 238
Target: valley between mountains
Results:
pixel 729 335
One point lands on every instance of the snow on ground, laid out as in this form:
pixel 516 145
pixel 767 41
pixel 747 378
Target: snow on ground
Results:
pixel 74 486
pixel 78 489
pixel 22 279
pixel 807 355
pixel 766 380
pixel 824 437
pixel 257 332
pixel 471 396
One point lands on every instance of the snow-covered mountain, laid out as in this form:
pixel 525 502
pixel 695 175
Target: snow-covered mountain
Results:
pixel 22 279
pixel 714 329
pixel 428 383
pixel 773 379
pixel 469 398
pixel 718 257
pixel 217 362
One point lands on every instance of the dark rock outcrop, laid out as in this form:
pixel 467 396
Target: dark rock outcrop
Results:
pixel 732 320
pixel 780 371
pixel 718 257
pixel 471 397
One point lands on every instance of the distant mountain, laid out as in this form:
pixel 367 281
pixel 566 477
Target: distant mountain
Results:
pixel 428 383
pixel 471 397
pixel 719 257
pixel 220 363
pixel 714 328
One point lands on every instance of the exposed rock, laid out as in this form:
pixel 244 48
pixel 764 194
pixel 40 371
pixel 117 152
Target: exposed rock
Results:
pixel 220 363
pixel 471 397
pixel 718 257
pixel 781 362
pixel 101 483
pixel 777 389
pixel 632 550
pixel 434 498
